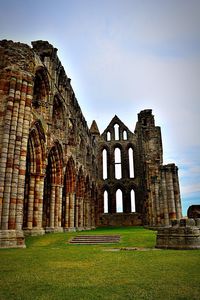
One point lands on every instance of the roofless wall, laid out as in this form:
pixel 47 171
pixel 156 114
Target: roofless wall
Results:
pixel 52 174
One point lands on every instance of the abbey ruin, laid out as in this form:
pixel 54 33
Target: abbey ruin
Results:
pixel 56 174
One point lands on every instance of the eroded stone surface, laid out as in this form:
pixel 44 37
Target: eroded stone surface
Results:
pixel 183 234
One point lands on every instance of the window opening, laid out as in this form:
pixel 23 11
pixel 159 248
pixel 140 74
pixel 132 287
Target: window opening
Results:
pixel 119 201
pixel 133 201
pixel 108 136
pixel 105 198
pixel 118 168
pixel 131 163
pixel 125 135
pixel 105 173
pixel 116 129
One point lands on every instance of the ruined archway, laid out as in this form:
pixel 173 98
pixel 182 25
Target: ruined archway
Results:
pixel 68 207
pixel 40 90
pixel 34 179
pixel 52 204
pixel 80 199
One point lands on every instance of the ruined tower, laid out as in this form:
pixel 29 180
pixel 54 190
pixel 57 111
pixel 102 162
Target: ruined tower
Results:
pixel 132 172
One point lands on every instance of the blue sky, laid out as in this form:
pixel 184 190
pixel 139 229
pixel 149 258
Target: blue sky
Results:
pixel 124 56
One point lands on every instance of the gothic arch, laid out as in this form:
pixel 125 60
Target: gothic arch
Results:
pixel 34 179
pixel 107 162
pixel 41 88
pixel 68 206
pixel 80 190
pixel 58 114
pixel 52 206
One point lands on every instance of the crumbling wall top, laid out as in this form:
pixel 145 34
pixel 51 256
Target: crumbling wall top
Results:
pixel 17 55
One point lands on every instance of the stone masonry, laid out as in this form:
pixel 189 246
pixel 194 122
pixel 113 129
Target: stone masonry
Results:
pixel 51 163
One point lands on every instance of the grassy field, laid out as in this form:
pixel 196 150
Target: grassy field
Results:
pixel 51 268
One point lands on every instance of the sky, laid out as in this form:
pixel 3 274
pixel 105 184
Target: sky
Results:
pixel 124 56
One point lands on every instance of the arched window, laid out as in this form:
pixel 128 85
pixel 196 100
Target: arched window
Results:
pixel 133 201
pixel 125 135
pixel 105 202
pixel 41 89
pixel 118 168
pixel 116 129
pixel 105 173
pixel 108 136
pixel 131 163
pixel 119 201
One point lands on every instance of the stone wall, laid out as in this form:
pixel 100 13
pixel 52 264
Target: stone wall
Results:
pixel 155 186
pixel 183 234
pixel 121 219
pixel 51 172
pixel 47 154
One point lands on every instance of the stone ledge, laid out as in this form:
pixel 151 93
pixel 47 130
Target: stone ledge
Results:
pixel 183 234
pixel 12 239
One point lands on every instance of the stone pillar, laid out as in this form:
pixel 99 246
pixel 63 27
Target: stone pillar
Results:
pixel 71 210
pixel 81 212
pixel 67 209
pixel 164 197
pixel 22 159
pixel 77 208
pixel 52 206
pixel 16 89
pixel 60 188
pixel 177 198
pixel 157 208
pixel 31 202
pixel 40 201
pixel 170 193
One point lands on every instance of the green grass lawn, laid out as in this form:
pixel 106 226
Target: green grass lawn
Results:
pixel 51 268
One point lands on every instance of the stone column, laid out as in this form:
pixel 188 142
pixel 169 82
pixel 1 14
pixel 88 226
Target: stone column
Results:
pixel 31 202
pixel 6 157
pixel 71 210
pixel 22 160
pixel 36 200
pixel 57 204
pixel 60 188
pixel 164 197
pixel 77 208
pixel 40 201
pixel 52 206
pixel 81 212
pixel 170 193
pixel 67 209
pixel 177 198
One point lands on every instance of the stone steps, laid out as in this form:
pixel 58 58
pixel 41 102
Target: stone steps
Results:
pixel 95 239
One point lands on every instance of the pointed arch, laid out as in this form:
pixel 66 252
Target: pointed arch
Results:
pixel 58 119
pixel 79 198
pixel 118 165
pixel 105 202
pixel 116 131
pixel 41 88
pixel 131 162
pixel 133 206
pixel 119 201
pixel 105 163
pixel 52 205
pixel 68 201
pixel 108 136
pixel 34 178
